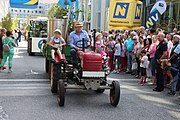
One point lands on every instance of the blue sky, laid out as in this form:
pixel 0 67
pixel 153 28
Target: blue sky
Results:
pixel 48 1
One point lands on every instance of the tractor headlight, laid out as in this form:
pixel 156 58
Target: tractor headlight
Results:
pixel 107 72
pixel 75 71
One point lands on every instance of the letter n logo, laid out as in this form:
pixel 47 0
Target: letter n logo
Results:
pixel 138 11
pixel 121 10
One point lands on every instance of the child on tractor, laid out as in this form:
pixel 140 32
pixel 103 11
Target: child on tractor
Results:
pixel 100 48
pixel 56 44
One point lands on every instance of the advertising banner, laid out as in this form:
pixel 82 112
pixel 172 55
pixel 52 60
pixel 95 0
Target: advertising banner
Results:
pixel 157 10
pixel 26 4
pixel 125 14
pixel 36 44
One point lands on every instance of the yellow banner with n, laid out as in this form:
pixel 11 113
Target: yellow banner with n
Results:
pixel 125 14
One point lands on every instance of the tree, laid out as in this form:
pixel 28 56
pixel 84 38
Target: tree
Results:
pixel 15 23
pixel 7 22
pixel 56 11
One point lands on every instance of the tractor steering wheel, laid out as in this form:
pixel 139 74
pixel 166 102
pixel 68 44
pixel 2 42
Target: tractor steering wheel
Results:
pixel 79 44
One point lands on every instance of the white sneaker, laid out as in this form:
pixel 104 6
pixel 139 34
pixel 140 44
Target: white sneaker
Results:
pixel 10 71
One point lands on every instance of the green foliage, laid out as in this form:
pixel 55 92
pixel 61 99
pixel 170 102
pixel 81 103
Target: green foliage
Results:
pixel 7 22
pixel 56 11
pixel 15 24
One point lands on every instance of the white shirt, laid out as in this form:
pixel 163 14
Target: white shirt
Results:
pixel 177 49
pixel 170 44
pixel 118 50
pixel 57 41
pixel 144 64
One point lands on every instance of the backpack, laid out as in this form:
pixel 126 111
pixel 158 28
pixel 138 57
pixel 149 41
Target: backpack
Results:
pixel 6 47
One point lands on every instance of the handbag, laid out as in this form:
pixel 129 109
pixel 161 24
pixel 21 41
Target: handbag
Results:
pixel 6 47
pixel 148 64
pixel 134 66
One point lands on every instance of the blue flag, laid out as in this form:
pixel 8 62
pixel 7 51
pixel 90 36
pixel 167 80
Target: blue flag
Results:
pixel 158 9
pixel 26 4
pixel 61 3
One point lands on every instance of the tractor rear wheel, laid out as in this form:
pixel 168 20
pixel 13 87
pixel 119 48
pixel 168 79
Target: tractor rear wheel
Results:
pixel 115 93
pixel 50 67
pixel 61 93
pixel 55 76
pixel 47 65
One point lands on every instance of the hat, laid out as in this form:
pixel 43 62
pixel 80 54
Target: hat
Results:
pixel 58 30
pixel 148 36
pixel 97 34
pixel 136 37
pixel 133 33
pixel 106 32
pixel 110 35
pixel 142 27
pixel 78 24
pixel 178 36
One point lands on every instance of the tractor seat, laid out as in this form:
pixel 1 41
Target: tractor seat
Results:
pixel 58 59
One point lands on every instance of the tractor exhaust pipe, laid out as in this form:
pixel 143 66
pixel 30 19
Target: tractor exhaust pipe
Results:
pixel 94 37
pixel 83 45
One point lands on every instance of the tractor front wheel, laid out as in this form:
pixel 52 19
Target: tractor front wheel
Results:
pixel 115 93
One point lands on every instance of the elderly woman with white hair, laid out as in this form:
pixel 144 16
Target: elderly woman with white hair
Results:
pixel 137 52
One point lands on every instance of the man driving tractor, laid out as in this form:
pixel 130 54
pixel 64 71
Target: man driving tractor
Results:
pixel 76 41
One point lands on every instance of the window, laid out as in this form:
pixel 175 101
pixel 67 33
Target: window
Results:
pixel 11 10
pixel 40 7
pixel 40 12
pixel 36 11
pixel 28 11
pixel 24 10
pixel 19 10
pixel 32 12
pixel 15 10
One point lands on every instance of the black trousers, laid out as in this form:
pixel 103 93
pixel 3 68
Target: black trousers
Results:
pixel 160 77
pixel 138 62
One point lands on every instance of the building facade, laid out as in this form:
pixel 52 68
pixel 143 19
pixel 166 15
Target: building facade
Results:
pixel 23 13
pixel 4 8
pixel 96 13
pixel 99 11
pixel 99 14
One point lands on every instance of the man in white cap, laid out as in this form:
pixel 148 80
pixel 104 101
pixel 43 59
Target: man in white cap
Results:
pixel 56 43
pixel 76 41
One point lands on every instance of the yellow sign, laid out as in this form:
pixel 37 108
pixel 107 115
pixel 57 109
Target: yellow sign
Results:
pixel 125 14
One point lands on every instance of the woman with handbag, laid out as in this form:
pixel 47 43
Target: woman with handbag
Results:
pixel 2 35
pixel 8 51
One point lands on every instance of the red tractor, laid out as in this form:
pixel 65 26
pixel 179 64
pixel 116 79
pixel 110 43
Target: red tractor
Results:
pixel 90 74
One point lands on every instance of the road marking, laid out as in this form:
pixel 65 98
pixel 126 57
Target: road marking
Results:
pixel 24 87
pixel 3 115
pixel 24 80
